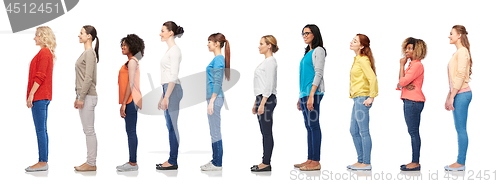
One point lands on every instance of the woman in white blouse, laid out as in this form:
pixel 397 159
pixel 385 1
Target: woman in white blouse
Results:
pixel 265 78
pixel 172 90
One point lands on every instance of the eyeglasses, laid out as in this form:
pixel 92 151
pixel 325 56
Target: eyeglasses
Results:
pixel 306 34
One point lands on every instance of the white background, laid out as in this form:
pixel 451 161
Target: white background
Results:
pixel 387 24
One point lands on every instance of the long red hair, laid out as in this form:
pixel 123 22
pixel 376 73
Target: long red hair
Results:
pixel 366 51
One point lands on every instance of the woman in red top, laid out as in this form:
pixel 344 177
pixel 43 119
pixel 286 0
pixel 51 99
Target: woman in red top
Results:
pixel 130 96
pixel 39 92
pixel 410 83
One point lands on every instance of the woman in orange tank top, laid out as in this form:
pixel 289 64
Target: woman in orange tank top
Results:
pixel 130 95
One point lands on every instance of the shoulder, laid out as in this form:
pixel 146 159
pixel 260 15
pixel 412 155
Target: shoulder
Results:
pixel 463 52
pixel 319 51
pixel 271 61
pixel 89 53
pixel 363 59
pixel 417 65
pixel 176 49
pixel 45 51
pixel 219 58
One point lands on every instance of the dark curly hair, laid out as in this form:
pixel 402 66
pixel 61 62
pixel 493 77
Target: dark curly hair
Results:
pixel 134 43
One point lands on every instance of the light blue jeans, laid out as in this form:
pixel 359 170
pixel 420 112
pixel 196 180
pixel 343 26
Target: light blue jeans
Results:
pixel 461 105
pixel 360 130
pixel 215 133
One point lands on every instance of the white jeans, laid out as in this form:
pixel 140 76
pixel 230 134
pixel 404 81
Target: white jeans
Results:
pixel 87 116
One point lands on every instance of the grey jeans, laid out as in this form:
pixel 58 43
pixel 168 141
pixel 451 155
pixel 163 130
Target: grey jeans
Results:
pixel 87 116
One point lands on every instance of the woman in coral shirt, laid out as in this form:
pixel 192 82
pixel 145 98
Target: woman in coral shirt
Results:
pixel 410 83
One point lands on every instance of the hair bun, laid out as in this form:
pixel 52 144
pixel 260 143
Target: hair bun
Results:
pixel 180 30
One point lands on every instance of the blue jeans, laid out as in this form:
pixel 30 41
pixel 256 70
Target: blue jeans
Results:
pixel 40 112
pixel 266 126
pixel 311 120
pixel 171 116
pixel 412 111
pixel 360 130
pixel 461 105
pixel 214 124
pixel 130 127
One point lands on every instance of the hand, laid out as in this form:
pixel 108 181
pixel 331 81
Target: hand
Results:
pixel 29 101
pixel 298 105
pixel 163 104
pixel 79 104
pixel 74 105
pixel 310 103
pixel 122 111
pixel 210 108
pixel 410 87
pixel 261 110
pixel 449 104
pixel 403 60
pixel 368 102
pixel 160 105
pixel 253 109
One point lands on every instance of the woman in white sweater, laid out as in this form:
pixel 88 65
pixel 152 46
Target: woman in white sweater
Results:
pixel 265 78
pixel 172 90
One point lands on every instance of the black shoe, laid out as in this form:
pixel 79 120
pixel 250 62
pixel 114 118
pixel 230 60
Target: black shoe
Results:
pixel 172 167
pixel 256 169
pixel 253 167
pixel 403 168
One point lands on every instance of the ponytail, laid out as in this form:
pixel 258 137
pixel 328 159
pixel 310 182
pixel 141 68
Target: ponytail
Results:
pixel 227 52
pixel 93 32
pixel 97 48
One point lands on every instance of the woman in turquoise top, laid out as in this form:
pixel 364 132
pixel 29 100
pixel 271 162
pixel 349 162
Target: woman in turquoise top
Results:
pixel 215 97
pixel 311 92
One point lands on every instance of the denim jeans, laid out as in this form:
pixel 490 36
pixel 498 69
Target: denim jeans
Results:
pixel 360 130
pixel 214 124
pixel 461 105
pixel 40 112
pixel 266 126
pixel 130 127
pixel 412 111
pixel 87 116
pixel 311 120
pixel 171 116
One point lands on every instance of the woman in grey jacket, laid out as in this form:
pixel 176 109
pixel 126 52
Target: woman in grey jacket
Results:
pixel 312 89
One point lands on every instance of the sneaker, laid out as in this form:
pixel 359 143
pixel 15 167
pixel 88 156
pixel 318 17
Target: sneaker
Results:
pixel 206 165
pixel 210 167
pixel 127 167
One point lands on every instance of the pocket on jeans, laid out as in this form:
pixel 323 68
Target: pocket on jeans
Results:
pixel 219 101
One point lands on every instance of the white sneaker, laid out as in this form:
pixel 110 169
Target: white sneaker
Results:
pixel 206 165
pixel 127 167
pixel 210 167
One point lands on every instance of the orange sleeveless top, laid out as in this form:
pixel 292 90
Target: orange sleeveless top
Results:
pixel 123 80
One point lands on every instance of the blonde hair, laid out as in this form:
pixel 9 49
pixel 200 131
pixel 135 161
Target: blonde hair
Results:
pixel 47 38
pixel 271 40
pixel 419 47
